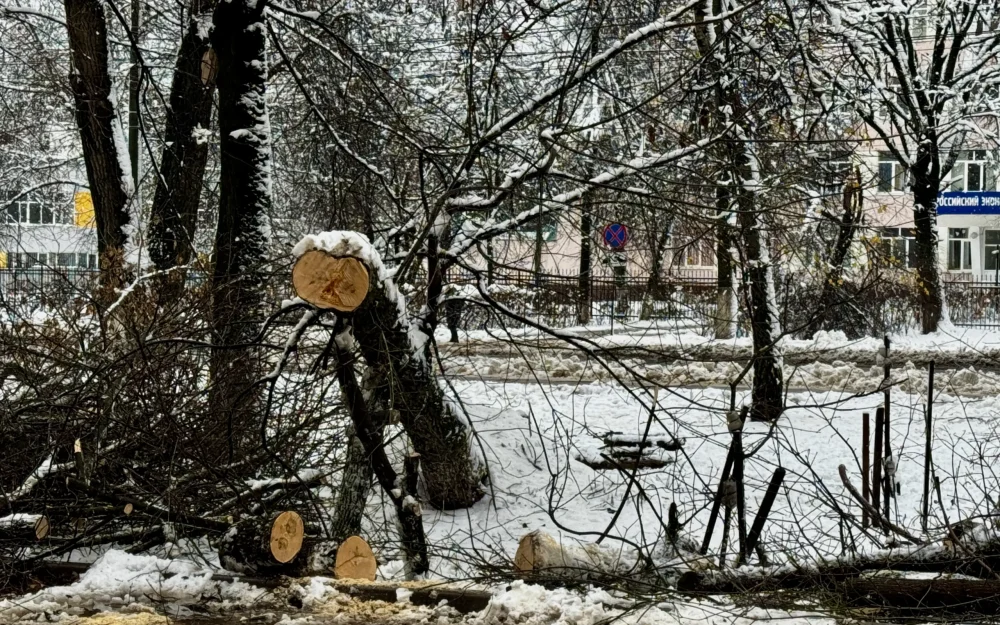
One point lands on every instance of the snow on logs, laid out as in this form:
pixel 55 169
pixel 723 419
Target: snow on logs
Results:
pixel 24 527
pixel 330 274
pixel 540 555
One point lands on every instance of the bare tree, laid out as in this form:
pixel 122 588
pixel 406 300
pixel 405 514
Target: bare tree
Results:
pixel 103 142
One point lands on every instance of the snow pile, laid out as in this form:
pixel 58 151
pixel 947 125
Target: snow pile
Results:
pixel 527 604
pixel 563 365
pixel 119 580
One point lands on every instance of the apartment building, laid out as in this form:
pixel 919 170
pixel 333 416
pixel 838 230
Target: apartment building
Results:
pixel 53 229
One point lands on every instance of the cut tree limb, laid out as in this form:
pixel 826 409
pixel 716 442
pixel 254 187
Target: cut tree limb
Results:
pixel 872 512
pixel 263 545
pixel 540 555
pixel 24 527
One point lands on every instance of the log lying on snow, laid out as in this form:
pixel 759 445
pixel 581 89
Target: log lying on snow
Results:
pixel 265 545
pixel 24 527
pixel 978 559
pixel 397 358
pixel 540 555
pixel 953 595
pixel 465 600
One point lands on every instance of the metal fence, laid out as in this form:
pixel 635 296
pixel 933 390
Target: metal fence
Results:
pixel 562 301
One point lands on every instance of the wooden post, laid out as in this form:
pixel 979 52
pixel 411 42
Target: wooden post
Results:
pixel 887 472
pixel 713 517
pixel 765 509
pixel 876 486
pixel 865 467
pixel 928 421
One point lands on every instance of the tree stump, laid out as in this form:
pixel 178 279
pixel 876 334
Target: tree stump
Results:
pixel 263 546
pixel 355 560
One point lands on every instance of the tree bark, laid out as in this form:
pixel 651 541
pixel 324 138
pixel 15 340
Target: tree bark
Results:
pixel 368 428
pixel 245 199
pixel 402 379
pixel 355 486
pixel 101 135
pixel 831 296
pixel 767 402
pixel 929 291
pixel 655 282
pixel 185 154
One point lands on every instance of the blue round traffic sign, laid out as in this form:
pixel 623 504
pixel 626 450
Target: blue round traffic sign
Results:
pixel 615 236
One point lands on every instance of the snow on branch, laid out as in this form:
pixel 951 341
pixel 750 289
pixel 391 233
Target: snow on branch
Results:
pixel 464 242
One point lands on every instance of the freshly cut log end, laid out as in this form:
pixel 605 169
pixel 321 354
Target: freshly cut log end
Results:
pixel 286 536
pixel 330 282
pixel 524 559
pixel 265 545
pixel 41 528
pixel 541 555
pixel 26 527
pixel 355 560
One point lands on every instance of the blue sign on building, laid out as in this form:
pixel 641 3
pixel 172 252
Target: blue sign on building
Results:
pixel 969 203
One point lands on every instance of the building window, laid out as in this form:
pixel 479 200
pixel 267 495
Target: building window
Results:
pixel 973 172
pixel 959 250
pixel 834 174
pixel 899 246
pixel 891 174
pixel 991 249
pixel 699 253
pixel 32 208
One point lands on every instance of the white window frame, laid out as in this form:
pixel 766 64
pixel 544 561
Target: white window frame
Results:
pixel 959 250
pixel 973 160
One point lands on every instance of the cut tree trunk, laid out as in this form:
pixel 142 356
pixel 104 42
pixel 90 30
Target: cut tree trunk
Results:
pixel 355 560
pixel 369 431
pixel 182 166
pixel 977 559
pixel 355 486
pixel 264 545
pixel 918 595
pixel 241 236
pixel 101 136
pixel 541 556
pixel 402 376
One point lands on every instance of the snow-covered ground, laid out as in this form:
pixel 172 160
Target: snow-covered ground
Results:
pixel 140 590
pixel 532 434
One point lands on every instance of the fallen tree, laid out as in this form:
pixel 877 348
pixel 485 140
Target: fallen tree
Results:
pixel 330 273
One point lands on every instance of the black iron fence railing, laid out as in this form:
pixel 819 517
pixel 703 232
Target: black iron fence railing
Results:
pixel 566 301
